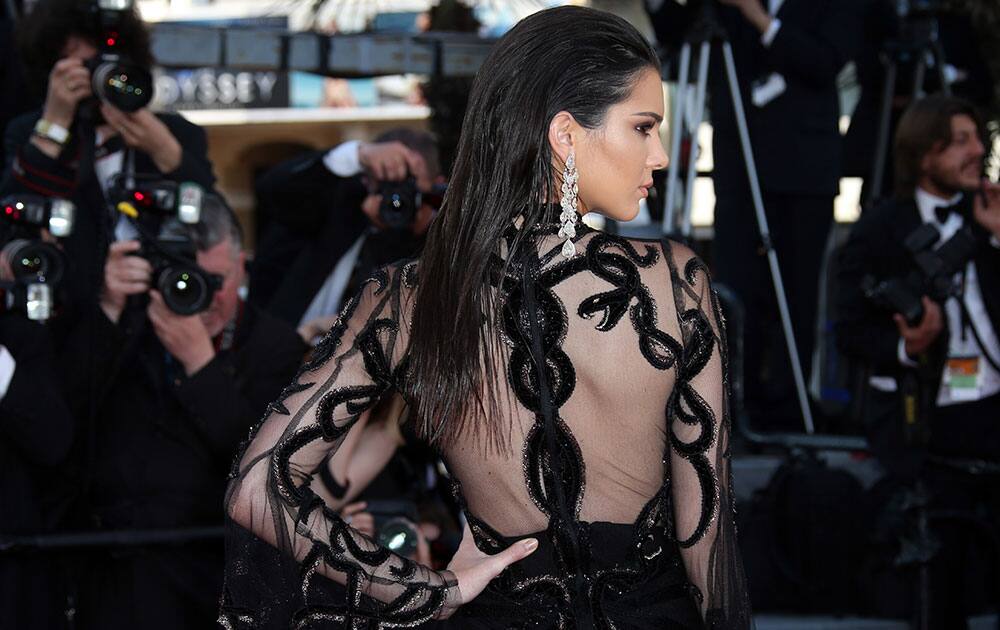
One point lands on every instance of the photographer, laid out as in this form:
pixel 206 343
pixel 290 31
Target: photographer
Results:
pixel 175 396
pixel 934 395
pixel 61 42
pixel 325 226
pixel 787 56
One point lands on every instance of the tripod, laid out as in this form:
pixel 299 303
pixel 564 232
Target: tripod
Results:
pixel 704 33
pixel 917 41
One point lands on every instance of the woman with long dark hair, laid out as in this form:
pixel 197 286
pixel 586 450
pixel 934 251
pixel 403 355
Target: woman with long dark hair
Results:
pixel 574 382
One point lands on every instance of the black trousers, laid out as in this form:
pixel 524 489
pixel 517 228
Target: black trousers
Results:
pixel 799 225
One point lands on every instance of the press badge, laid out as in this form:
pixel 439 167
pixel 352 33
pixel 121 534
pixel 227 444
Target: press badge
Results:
pixel 763 91
pixel 963 377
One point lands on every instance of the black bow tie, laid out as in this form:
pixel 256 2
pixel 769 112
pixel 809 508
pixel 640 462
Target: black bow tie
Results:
pixel 943 212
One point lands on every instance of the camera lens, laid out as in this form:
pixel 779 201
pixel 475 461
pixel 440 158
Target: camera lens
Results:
pixel 400 201
pixel 399 535
pixel 32 261
pixel 185 291
pixel 126 86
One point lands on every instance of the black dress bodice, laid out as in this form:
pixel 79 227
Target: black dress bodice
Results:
pixel 618 462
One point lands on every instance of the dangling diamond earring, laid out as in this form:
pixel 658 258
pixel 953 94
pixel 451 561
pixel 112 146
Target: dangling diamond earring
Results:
pixel 569 216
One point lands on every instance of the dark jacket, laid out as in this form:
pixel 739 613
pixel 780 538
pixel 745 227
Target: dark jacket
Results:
pixel 35 435
pixel 158 454
pixel 28 170
pixel 309 219
pixel 795 138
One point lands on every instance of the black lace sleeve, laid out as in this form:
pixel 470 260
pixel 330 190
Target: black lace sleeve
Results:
pixel 699 428
pixel 359 360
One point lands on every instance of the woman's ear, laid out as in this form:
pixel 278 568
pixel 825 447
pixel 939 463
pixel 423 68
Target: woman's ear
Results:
pixel 562 127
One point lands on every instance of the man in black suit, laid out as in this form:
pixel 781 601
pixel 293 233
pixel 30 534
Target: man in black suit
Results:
pixel 933 400
pixel 788 54
pixel 322 231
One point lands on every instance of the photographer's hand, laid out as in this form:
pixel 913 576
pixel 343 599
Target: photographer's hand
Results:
pixel 124 275
pixel 183 336
pixel 144 131
pixel 69 83
pixel 392 161
pixel 986 207
pixel 754 12
pixel 918 338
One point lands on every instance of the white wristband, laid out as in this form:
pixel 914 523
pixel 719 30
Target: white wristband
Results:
pixel 51 131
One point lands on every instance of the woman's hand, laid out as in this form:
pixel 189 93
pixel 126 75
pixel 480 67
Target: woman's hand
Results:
pixel 474 569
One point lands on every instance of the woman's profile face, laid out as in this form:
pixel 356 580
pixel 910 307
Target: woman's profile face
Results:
pixel 616 160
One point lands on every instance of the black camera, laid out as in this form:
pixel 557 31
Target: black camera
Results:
pixel 401 199
pixel 119 82
pixel 114 78
pixel 933 277
pixel 30 268
pixel 159 209
pixel 186 288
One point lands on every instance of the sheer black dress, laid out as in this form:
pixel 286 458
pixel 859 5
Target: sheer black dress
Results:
pixel 619 462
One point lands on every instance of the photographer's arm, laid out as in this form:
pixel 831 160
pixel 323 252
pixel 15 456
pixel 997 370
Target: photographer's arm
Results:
pixel 863 331
pixel 296 193
pixel 27 169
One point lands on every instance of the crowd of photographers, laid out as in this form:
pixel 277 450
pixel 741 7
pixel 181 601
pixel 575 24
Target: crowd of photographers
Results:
pixel 133 362
pixel 137 351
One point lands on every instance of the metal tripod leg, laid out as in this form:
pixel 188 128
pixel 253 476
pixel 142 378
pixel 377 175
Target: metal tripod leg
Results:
pixel 765 233
pixel 882 146
pixel 676 134
pixel 699 111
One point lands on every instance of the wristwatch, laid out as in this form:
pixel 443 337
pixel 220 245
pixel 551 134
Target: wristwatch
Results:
pixel 51 131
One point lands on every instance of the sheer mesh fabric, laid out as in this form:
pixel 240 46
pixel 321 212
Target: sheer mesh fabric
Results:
pixel 624 421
